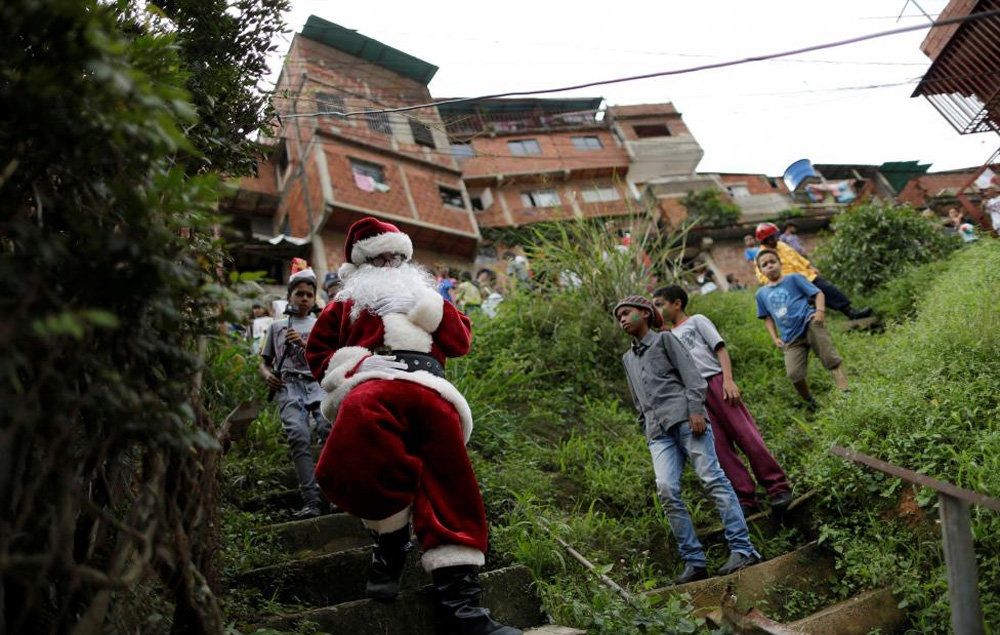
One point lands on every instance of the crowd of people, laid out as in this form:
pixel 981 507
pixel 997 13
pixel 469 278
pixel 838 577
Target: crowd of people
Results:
pixel 365 380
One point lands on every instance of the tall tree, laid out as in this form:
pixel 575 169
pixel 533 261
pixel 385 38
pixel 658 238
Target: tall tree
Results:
pixel 114 122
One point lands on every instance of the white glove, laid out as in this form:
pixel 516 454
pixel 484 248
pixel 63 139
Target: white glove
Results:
pixel 380 364
pixel 397 304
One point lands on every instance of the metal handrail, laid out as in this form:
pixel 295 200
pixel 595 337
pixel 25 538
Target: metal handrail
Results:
pixel 956 536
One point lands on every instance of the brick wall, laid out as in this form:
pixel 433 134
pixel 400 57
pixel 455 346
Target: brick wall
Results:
pixel 572 205
pixel 755 183
pixel 493 155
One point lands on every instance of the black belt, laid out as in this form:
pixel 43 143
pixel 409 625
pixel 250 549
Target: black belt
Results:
pixel 414 360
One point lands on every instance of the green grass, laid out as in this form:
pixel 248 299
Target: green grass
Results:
pixel 557 450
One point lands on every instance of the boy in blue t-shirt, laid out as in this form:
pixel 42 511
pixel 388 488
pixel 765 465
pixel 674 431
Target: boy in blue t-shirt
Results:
pixel 795 325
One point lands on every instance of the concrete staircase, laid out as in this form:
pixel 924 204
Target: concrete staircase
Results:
pixel 325 581
pixel 740 602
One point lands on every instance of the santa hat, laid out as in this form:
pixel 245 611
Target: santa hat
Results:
pixel 300 275
pixel 370 237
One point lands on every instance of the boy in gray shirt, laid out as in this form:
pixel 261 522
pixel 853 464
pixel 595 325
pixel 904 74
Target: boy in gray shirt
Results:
pixel 669 394
pixel 298 393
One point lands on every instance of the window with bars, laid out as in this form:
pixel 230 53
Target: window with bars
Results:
pixel 600 194
pixel 587 143
pixel 422 135
pixel 379 122
pixel 524 147
pixel 328 102
pixel 540 198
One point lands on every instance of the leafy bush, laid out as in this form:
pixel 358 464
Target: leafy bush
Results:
pixel 106 232
pixel 929 404
pixel 875 242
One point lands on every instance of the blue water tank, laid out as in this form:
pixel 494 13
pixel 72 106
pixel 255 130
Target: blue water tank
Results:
pixel 798 172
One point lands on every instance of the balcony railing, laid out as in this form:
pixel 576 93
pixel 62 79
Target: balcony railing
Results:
pixel 471 124
pixel 963 84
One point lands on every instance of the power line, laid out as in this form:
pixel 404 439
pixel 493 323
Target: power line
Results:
pixel 682 71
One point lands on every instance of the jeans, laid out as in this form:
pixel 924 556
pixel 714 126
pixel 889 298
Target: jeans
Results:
pixel 670 449
pixel 298 402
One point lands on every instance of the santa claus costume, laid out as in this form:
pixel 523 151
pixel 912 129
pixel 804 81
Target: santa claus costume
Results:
pixel 397 450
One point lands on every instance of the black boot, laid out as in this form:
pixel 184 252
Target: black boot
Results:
pixel 857 314
pixel 457 591
pixel 388 559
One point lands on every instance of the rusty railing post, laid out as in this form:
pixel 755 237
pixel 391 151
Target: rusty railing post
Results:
pixel 960 560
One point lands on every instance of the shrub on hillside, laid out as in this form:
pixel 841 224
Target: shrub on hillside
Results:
pixel 876 242
pixel 932 407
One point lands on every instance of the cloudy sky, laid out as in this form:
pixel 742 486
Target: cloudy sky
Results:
pixel 758 117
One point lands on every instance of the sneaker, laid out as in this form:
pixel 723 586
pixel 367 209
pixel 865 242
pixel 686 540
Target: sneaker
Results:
pixel 309 510
pixel 738 561
pixel 690 574
pixel 781 501
pixel 858 314
pixel 811 405
pixel 749 510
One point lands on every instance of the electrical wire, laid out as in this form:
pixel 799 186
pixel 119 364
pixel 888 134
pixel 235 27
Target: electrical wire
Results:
pixel 681 71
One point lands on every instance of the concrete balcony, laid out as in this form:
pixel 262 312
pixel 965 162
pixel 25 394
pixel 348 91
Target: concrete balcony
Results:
pixel 658 157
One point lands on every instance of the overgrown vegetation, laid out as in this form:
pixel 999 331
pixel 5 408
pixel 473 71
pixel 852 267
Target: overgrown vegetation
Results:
pixel 558 453
pixel 875 242
pixel 106 286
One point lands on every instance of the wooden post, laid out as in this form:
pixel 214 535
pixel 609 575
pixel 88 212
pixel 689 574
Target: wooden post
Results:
pixel 960 558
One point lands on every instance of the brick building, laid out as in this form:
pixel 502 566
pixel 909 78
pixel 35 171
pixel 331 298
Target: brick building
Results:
pixel 441 173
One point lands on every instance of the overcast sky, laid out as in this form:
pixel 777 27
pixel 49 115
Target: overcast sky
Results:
pixel 758 117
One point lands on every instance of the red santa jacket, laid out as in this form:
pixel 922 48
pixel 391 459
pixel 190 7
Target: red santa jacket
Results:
pixel 338 344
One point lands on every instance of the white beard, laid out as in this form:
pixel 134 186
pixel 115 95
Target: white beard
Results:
pixel 370 283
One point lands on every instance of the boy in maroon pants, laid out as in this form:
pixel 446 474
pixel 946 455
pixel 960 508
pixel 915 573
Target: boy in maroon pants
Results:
pixel 732 424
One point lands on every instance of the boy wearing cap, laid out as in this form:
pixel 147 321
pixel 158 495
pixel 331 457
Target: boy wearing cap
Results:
pixel 669 394
pixel 298 393
pixel 732 424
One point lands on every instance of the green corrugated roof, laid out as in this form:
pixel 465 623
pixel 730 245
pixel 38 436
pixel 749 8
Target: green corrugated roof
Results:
pixel 353 43
pixel 899 173
pixel 521 105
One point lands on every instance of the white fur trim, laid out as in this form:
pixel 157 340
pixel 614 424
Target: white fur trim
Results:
pixel 341 363
pixel 390 524
pixel 428 311
pixel 452 556
pixel 336 392
pixel 346 270
pixel 392 242
pixel 402 334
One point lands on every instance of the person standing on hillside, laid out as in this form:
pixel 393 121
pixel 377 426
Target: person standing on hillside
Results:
pixel 669 394
pixel 732 424
pixel 790 236
pixel 795 324
pixel 283 367
pixel 397 450
pixel 793 262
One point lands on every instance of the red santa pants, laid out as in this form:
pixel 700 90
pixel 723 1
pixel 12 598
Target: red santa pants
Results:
pixel 395 444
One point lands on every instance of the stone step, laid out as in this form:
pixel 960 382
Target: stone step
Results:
pixel 285 501
pixel 808 569
pixel 858 615
pixel 325 579
pixel 508 592
pixel 325 534
pixel 554 629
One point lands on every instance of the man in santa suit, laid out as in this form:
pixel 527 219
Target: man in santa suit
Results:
pixel 397 454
